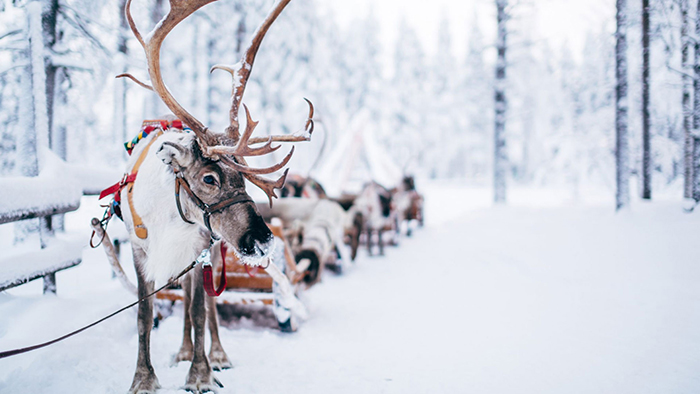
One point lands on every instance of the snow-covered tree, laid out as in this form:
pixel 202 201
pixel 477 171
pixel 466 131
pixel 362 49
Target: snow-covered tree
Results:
pixel 695 143
pixel 646 115
pixel 362 71
pixel 444 111
pixel 477 89
pixel 408 132
pixel 622 197
pixel 687 109
pixel 500 161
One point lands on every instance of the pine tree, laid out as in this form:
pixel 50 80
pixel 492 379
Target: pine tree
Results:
pixel 477 84
pixel 443 117
pixel 408 118
pixel 361 66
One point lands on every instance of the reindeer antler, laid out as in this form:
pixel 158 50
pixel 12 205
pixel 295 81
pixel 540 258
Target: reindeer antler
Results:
pixel 211 144
pixel 241 71
pixel 179 10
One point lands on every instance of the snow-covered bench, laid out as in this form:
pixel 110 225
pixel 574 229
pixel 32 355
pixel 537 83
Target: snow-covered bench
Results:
pixel 54 191
pixel 25 264
pixel 26 198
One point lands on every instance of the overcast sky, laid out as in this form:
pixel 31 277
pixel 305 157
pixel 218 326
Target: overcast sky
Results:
pixel 559 21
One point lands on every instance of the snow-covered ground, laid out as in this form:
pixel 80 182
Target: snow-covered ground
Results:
pixel 545 297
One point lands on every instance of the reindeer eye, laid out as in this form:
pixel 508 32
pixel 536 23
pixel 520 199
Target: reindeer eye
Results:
pixel 209 180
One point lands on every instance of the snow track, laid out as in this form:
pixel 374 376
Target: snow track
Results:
pixel 526 300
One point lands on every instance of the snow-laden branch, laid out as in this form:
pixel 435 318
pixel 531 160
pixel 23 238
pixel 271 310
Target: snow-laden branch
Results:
pixel 10 33
pixel 68 61
pixel 681 72
pixel 76 21
pixel 13 67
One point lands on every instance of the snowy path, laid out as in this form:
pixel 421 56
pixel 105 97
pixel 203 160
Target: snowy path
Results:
pixel 526 300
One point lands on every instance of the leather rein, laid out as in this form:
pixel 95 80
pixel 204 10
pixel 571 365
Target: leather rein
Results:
pixel 207 210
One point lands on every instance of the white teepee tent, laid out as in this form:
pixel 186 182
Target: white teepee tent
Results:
pixel 356 159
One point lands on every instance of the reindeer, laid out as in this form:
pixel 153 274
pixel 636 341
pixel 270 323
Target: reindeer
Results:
pixel 315 229
pixel 168 229
pixel 372 211
pixel 408 203
pixel 303 187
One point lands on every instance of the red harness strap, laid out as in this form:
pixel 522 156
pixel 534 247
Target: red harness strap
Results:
pixel 209 276
pixel 117 187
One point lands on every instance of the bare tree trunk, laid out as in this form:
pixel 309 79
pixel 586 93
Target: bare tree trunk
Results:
pixel 199 63
pixel 49 17
pixel 695 154
pixel 120 134
pixel 622 197
pixel 27 161
pixel 696 168
pixel 646 120
pixel 241 31
pixel 210 104
pixel 56 133
pixel 38 70
pixel 156 108
pixel 500 160
pixel 528 122
pixel 35 116
pixel 687 110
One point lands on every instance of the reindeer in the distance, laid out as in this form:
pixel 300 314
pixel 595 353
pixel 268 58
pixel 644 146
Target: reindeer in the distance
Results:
pixel 189 190
pixel 373 212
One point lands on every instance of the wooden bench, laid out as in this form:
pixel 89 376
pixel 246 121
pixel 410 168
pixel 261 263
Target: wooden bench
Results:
pixel 39 197
pixel 24 266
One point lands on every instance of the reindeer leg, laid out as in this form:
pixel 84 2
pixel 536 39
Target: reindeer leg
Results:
pixel 354 244
pixel 186 349
pixel 217 356
pixel 355 236
pixel 145 380
pixel 379 240
pixel 369 240
pixel 409 229
pixel 200 378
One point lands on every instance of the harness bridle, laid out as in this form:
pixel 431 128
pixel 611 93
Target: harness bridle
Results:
pixel 207 210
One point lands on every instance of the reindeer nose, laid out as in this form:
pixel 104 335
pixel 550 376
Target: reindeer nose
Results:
pixel 257 240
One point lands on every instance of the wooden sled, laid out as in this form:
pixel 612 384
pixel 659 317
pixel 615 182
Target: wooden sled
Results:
pixel 255 286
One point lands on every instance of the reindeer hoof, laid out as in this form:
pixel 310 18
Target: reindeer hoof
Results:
pixel 219 360
pixel 147 384
pixel 199 387
pixel 200 379
pixel 182 355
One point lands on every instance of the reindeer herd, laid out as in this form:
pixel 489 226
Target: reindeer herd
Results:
pixel 184 192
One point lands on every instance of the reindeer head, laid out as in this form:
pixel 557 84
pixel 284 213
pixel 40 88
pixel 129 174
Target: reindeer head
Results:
pixel 211 166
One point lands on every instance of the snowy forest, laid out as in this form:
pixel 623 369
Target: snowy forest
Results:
pixel 555 125
pixel 487 196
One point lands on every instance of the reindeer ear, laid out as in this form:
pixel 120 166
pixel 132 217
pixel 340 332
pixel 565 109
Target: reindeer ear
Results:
pixel 177 154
